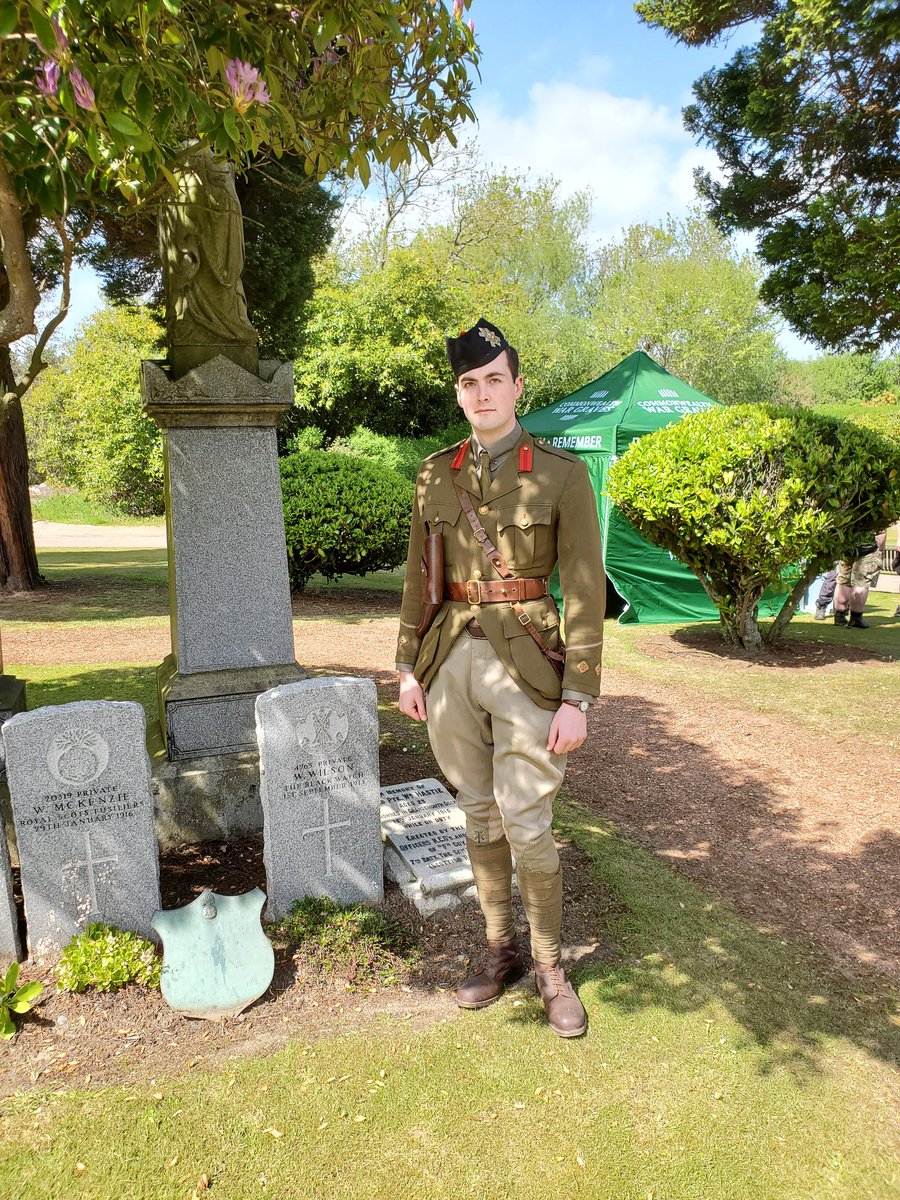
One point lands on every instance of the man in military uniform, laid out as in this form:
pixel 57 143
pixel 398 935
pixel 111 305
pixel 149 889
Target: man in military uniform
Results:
pixel 500 720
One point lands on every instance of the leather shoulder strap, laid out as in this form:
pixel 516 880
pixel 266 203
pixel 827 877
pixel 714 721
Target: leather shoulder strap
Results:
pixel 493 555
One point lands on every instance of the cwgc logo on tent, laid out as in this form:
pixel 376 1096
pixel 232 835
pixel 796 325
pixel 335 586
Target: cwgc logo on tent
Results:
pixel 671 404
pixel 570 410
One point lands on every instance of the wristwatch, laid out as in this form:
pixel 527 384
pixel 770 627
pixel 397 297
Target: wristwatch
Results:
pixel 581 705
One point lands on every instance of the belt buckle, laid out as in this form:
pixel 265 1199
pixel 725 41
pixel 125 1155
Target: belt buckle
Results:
pixel 476 584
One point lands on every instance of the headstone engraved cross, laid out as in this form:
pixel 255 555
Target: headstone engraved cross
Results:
pixel 326 828
pixel 89 863
pixel 79 782
pixel 318 748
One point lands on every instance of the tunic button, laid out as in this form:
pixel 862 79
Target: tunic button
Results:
pixel 524 520
pixel 484 509
pixel 476 574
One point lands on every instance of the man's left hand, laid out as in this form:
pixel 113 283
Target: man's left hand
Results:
pixel 568 730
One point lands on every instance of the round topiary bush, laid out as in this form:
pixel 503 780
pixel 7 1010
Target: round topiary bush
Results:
pixel 342 515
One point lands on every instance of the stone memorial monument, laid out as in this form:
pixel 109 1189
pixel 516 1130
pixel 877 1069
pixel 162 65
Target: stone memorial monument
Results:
pixel 12 700
pixel 79 781
pixel 218 405
pixel 318 745
pixel 425 851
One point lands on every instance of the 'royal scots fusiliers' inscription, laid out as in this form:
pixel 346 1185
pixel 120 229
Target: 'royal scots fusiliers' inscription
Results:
pixel 318 751
pixel 79 779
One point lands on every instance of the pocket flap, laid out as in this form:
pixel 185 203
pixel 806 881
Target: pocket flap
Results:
pixel 523 516
pixel 447 512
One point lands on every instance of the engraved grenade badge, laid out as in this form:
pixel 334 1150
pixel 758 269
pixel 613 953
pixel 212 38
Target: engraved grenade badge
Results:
pixel 77 756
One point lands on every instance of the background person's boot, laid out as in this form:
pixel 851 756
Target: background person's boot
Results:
pixel 856 621
pixel 565 1012
pixel 821 613
pixel 840 616
pixel 502 966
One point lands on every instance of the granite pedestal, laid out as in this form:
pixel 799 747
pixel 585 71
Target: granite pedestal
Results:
pixel 229 589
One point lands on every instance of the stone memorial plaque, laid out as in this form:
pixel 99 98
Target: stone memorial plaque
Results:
pixel 427 832
pixel 318 757
pixel 79 781
pixel 9 927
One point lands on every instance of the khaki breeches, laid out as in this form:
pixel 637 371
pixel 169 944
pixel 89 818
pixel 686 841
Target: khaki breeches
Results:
pixel 490 740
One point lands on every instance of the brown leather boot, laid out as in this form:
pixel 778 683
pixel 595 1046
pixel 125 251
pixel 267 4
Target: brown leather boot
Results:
pixel 502 966
pixel 565 1012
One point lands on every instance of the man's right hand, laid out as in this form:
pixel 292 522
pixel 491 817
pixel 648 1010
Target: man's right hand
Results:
pixel 412 698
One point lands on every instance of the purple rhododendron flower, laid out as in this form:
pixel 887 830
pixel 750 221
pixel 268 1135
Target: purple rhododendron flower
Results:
pixel 47 77
pixel 245 84
pixel 84 93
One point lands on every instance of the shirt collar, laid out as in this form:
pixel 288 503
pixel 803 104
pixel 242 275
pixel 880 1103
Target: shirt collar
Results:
pixel 504 446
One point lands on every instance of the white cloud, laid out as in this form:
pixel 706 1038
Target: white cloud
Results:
pixel 634 156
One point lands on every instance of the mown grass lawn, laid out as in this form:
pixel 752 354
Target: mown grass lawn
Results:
pixel 721 1062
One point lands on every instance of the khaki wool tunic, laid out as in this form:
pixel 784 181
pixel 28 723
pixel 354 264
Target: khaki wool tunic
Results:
pixel 536 519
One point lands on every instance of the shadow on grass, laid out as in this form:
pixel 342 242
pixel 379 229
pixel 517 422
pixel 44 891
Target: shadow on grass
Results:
pixel 94 683
pixel 682 951
pixel 809 643
pixel 728 829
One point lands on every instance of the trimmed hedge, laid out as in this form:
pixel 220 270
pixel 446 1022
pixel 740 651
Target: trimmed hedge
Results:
pixel 342 515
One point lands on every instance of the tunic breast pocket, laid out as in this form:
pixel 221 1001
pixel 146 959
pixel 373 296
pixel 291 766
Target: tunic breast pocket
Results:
pixel 525 536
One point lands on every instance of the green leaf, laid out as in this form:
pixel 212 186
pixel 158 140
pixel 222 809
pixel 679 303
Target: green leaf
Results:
pixel 43 28
pixel 144 103
pixel 7 1028
pixel 9 17
pixel 25 997
pixel 129 82
pixel 229 123
pixel 123 124
pixel 9 981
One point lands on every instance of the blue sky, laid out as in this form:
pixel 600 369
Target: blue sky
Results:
pixel 583 92
pixel 592 97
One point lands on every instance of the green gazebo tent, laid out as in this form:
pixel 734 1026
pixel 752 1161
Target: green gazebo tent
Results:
pixel 599 422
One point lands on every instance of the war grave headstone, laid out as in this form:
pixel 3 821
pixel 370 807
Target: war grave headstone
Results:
pixel 79 781
pixel 9 931
pixel 425 851
pixel 318 748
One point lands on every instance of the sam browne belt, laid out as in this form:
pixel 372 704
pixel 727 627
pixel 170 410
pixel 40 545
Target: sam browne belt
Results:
pixel 480 591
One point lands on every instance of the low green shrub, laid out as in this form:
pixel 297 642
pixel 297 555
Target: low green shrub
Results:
pixel 741 494
pixel 106 958
pixel 342 515
pixel 883 419
pixel 400 454
pixel 15 999
pixel 355 943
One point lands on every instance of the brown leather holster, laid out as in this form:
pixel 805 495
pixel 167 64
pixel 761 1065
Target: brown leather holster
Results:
pixel 432 581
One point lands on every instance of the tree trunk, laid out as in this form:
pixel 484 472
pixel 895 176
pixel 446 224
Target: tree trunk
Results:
pixel 778 626
pixel 18 558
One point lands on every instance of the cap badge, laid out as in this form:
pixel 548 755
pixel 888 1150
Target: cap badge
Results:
pixel 489 336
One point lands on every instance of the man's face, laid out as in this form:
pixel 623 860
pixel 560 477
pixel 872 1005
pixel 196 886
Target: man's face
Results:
pixel 488 395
